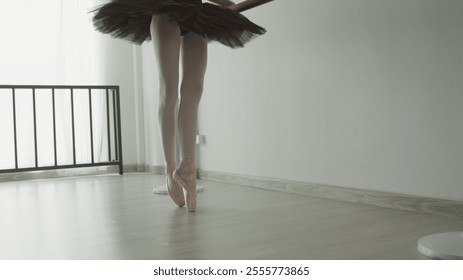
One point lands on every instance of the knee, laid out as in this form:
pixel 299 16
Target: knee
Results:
pixel 168 98
pixel 191 92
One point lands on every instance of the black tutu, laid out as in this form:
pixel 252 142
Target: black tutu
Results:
pixel 130 19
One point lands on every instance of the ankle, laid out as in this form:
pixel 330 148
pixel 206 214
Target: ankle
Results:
pixel 188 159
pixel 187 165
pixel 170 167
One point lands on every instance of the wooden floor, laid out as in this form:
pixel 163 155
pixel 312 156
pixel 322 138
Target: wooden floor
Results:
pixel 118 217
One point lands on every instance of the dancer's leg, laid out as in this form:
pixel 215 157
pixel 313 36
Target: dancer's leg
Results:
pixel 167 40
pixel 194 61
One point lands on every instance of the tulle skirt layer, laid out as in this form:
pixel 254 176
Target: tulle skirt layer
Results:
pixel 130 20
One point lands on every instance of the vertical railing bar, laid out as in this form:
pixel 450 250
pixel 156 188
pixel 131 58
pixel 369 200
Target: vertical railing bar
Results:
pixel 54 126
pixel 35 128
pixel 108 125
pixel 116 142
pixel 91 122
pixel 73 127
pixel 119 133
pixel 15 129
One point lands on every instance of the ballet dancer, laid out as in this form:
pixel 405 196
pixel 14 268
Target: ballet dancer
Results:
pixel 180 31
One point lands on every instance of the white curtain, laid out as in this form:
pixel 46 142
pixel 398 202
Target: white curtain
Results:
pixel 50 42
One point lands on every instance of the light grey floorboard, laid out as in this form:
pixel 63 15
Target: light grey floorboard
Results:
pixel 118 217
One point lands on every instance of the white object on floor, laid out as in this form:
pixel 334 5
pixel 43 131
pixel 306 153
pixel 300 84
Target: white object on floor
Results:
pixel 443 246
pixel 162 190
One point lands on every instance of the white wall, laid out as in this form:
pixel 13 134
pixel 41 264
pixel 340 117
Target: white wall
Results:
pixel 355 93
pixel 119 58
pixel 153 152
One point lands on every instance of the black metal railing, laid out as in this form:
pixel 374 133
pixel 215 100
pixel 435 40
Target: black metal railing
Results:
pixel 111 106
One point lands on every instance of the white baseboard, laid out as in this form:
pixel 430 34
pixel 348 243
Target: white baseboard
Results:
pixel 381 199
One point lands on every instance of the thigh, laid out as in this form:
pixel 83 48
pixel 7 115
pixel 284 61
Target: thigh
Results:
pixel 194 60
pixel 167 41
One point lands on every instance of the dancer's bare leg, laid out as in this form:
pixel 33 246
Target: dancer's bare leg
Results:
pixel 167 40
pixel 194 62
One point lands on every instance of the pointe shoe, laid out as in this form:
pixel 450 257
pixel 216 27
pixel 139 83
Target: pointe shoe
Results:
pixel 188 182
pixel 175 191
